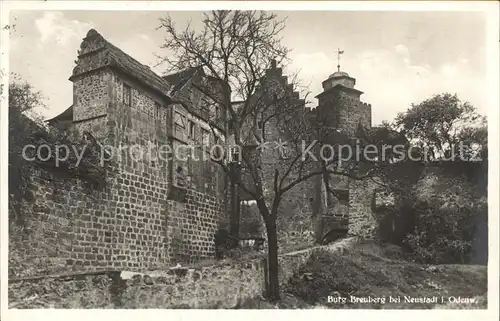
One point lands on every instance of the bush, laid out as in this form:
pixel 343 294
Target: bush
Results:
pixel 445 212
pixel 27 128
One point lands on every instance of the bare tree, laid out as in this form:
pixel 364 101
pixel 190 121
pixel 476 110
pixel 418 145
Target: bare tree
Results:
pixel 237 49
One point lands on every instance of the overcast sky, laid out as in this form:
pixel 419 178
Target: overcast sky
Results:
pixel 397 58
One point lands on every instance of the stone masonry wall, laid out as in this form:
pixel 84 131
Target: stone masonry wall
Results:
pixel 362 220
pixel 193 219
pixel 91 95
pixel 204 287
pixel 352 112
pixel 214 287
pixel 192 225
pixel 74 226
pixel 294 221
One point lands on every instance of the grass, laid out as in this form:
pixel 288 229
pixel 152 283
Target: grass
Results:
pixel 374 271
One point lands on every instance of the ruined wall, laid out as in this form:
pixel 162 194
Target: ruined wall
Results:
pixel 459 192
pixel 378 212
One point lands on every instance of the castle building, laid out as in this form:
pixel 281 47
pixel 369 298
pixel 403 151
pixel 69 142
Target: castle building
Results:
pixel 309 207
pixel 158 211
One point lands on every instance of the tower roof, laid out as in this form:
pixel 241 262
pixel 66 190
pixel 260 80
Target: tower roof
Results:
pixel 339 74
pixel 341 88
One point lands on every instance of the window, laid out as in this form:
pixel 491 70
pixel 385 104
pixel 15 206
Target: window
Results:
pixel 192 129
pixel 205 137
pixel 179 123
pixel 235 154
pixel 180 176
pixel 342 195
pixel 205 107
pixel 260 126
pixel 157 111
pixel 284 151
pixel 218 113
pixel 218 150
pixel 127 95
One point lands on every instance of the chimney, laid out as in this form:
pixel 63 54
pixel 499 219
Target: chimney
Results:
pixel 273 64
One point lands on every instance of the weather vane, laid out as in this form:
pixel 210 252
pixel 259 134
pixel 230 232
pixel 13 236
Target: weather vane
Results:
pixel 339 52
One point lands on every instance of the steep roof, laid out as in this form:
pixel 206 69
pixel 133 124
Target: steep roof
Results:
pixel 65 115
pixel 381 134
pixel 109 55
pixel 179 79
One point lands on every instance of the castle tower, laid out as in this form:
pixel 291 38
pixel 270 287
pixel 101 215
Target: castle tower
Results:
pixel 340 106
pixel 340 103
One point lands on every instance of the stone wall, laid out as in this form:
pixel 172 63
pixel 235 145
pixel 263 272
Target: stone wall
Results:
pixel 459 189
pixel 196 210
pixel 91 95
pixel 251 221
pixel 205 287
pixel 219 286
pixel 74 226
pixel 353 112
pixel 132 222
pixel 191 226
pixel 378 212
pixel 290 263
pixel 362 220
pixel 91 99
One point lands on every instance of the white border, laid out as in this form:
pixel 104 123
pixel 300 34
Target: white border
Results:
pixel 490 9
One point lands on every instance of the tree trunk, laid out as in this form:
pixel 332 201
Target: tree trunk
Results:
pixel 235 203
pixel 272 239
